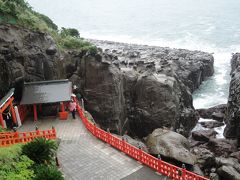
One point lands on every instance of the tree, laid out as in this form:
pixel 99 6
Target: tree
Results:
pixel 69 32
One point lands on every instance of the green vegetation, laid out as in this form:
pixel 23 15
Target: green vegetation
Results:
pixel 47 173
pixel 14 165
pixel 19 12
pixel 35 160
pixel 1 129
pixel 40 150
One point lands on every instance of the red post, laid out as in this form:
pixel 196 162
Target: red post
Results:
pixel 183 173
pixel 62 107
pixel 13 113
pixel 1 120
pixel 35 112
pixel 159 165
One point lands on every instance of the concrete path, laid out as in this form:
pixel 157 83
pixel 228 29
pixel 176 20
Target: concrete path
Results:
pixel 84 157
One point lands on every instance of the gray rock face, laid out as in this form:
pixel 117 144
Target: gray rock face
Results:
pixel 171 145
pixel 140 88
pixel 191 66
pixel 23 57
pixel 228 173
pixel 232 129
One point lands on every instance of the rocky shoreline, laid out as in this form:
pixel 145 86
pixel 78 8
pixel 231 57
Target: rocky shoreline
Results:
pixel 157 84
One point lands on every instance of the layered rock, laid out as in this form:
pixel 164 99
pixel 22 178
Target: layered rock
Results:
pixel 232 129
pixel 25 56
pixel 140 88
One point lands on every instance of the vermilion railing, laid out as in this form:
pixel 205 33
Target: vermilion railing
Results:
pixel 156 164
pixel 10 138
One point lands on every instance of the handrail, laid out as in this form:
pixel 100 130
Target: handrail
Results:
pixel 10 138
pixel 156 164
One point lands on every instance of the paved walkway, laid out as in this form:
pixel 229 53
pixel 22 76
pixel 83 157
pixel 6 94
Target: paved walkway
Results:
pixel 84 157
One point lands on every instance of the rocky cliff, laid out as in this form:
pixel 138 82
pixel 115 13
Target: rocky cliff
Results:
pixel 25 56
pixel 127 88
pixel 138 88
pixel 232 129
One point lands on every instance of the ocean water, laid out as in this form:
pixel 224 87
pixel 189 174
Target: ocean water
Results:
pixel 207 25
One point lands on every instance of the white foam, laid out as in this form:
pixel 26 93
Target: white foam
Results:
pixel 220 131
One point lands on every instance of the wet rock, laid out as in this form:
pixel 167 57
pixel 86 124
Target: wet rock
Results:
pixel 228 173
pixel 216 112
pixel 204 135
pixel 218 116
pixel 171 145
pixel 211 124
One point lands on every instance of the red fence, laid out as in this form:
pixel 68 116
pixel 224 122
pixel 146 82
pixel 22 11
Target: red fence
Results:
pixel 10 138
pixel 156 164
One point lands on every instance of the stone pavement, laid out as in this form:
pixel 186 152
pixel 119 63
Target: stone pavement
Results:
pixel 84 157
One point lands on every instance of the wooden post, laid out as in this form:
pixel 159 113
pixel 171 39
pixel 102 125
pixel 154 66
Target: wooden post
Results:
pixel 1 120
pixel 13 114
pixel 35 112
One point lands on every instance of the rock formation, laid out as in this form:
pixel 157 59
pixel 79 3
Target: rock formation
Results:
pixel 138 88
pixel 171 145
pixel 232 129
pixel 216 112
pixel 25 56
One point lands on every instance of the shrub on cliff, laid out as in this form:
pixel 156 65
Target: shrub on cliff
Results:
pixel 70 42
pixel 69 32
